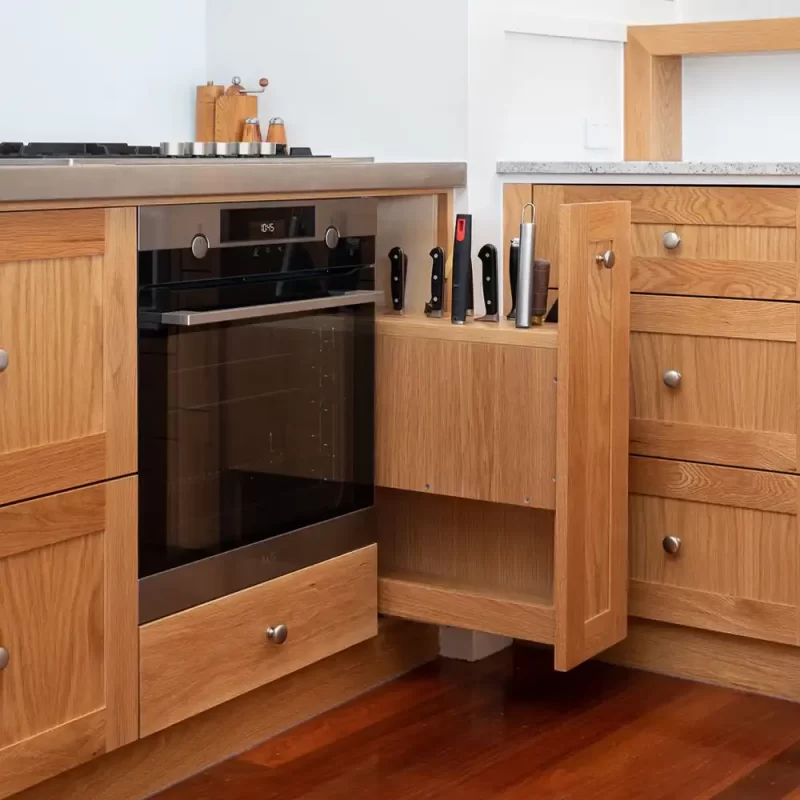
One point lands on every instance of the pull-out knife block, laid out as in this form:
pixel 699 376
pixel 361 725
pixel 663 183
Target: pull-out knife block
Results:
pixel 503 454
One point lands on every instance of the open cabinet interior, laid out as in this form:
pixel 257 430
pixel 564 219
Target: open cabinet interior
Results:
pixel 501 454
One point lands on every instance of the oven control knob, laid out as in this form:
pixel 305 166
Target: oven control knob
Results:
pixel 200 246
pixel 332 237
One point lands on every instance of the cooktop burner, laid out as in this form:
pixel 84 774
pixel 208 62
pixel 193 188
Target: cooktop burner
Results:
pixel 113 150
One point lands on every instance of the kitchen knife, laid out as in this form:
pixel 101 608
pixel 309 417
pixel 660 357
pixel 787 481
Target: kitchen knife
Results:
pixel 470 292
pixel 513 276
pixel 398 261
pixel 462 269
pixel 488 257
pixel 436 304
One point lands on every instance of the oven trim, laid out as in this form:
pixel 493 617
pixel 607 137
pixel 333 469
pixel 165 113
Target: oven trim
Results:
pixel 181 588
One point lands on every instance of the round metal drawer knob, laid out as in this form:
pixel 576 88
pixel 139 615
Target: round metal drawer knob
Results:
pixel 277 634
pixel 200 246
pixel 671 240
pixel 332 238
pixel 672 378
pixel 607 259
pixel 3 658
pixel 671 545
pixel 3 360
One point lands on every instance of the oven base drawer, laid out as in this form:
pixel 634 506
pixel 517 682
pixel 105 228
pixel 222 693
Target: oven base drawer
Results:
pixel 199 658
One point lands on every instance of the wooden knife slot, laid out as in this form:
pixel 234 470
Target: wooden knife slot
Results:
pixel 503 453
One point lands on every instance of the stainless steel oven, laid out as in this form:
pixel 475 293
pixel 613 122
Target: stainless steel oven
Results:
pixel 256 393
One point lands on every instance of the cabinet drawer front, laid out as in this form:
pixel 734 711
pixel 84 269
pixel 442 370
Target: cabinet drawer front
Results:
pixel 715 260
pixel 697 395
pixel 202 657
pixel 730 568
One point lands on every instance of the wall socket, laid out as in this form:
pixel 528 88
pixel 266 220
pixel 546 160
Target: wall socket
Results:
pixel 596 134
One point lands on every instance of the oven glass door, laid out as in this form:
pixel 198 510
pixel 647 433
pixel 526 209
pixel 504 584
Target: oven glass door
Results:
pixel 252 429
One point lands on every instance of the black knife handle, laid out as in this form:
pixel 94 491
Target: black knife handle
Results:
pixel 437 279
pixel 462 269
pixel 398 262
pixel 513 274
pixel 488 257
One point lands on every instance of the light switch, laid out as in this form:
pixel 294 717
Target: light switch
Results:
pixel 597 135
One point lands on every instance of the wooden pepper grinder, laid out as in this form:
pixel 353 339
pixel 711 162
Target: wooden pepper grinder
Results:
pixel 276 133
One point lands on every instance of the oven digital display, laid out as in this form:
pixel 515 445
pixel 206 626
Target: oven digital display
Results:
pixel 260 224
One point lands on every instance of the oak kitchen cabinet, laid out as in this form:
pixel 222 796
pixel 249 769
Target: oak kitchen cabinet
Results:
pixel 714 540
pixel 68 601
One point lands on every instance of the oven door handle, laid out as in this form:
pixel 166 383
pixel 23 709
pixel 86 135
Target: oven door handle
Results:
pixel 190 319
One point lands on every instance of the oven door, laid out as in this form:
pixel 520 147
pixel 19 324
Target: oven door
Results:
pixel 255 444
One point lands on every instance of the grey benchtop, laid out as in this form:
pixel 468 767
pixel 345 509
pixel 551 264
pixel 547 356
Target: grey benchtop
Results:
pixel 85 179
pixel 743 173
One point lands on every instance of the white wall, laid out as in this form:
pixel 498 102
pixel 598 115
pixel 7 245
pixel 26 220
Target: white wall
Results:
pixel 741 107
pixel 355 77
pixel 78 70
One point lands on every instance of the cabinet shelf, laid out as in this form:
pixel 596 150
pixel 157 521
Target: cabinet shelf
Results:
pixel 444 601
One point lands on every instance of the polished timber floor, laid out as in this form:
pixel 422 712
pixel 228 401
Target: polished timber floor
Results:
pixel 509 727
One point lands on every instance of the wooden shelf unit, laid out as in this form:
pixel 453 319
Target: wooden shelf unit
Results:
pixel 503 457
pixel 654 74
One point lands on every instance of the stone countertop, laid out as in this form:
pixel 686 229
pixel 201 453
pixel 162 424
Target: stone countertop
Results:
pixel 679 172
pixel 77 180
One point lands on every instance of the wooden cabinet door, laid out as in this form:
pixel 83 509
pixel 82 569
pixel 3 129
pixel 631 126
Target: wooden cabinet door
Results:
pixel 68 629
pixel 68 331
pixel 591 528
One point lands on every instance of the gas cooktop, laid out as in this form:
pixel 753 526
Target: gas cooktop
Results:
pixel 119 150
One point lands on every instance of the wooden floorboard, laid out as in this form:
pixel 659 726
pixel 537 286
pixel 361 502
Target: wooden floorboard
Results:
pixel 510 727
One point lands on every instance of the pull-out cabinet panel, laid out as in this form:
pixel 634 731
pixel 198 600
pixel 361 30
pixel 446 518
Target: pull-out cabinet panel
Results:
pixel 485 430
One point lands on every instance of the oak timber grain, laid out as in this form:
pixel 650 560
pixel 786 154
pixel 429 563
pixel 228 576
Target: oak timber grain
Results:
pixel 738 616
pixel 120 341
pixel 742 243
pixel 50 520
pixel 51 235
pixel 695 205
pixel 592 422
pixel 700 316
pixel 548 200
pixel 51 315
pixel 51 600
pixel 212 653
pixel 432 446
pixel 724 550
pixel 716 260
pixel 726 446
pixel 121 612
pixel 52 468
pixel 503 332
pixel 725 486
pixel 709 38
pixel 66 746
pixel 768 280
pixel 151 764
pixel 653 107
pixel 488 546
pixel 69 619
pixel 448 602
pixel 515 197
pixel 736 383
pixel 742 663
